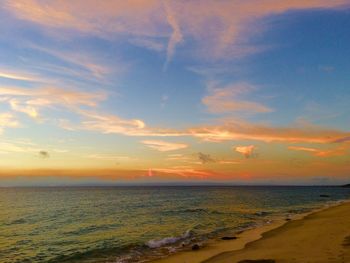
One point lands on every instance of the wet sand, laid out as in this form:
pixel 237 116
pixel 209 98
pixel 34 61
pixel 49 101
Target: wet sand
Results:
pixel 322 236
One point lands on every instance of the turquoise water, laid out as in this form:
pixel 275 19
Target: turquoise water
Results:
pixel 136 224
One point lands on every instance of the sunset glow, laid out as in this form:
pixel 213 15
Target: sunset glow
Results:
pixel 151 91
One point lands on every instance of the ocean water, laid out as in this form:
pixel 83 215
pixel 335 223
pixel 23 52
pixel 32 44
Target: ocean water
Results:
pixel 137 224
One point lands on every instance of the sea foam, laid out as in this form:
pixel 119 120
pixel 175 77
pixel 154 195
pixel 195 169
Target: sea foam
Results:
pixel 168 240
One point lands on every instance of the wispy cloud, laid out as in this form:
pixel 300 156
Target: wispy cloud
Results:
pixel 229 99
pixel 23 75
pixel 30 100
pixel 148 43
pixel 83 60
pixel 27 109
pixel 180 158
pixel 163 146
pixel 19 146
pixel 217 29
pixel 164 100
pixel 110 157
pixel 175 37
pixel 108 123
pixel 8 146
pixel 8 120
pixel 326 68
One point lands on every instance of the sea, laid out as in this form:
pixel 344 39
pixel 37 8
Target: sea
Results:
pixel 139 223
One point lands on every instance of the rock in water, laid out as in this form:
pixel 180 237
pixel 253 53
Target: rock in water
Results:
pixel 324 196
pixel 228 238
pixel 195 247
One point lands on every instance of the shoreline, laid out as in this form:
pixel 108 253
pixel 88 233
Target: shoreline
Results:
pixel 216 250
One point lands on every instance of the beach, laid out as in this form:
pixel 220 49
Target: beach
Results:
pixel 320 236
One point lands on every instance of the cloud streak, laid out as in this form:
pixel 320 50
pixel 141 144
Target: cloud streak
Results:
pixel 184 172
pixel 163 146
pixel 233 130
pixel 175 37
pixel 339 151
pixel 15 76
pixel 30 100
pixel 242 130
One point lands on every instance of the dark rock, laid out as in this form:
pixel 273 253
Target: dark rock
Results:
pixel 195 247
pixel 346 242
pixel 346 186
pixel 288 219
pixel 324 195
pixel 228 238
pixel 257 261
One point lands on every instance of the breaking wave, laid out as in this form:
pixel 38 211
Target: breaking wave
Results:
pixel 168 240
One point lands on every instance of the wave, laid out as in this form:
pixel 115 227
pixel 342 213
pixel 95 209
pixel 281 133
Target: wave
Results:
pixel 198 211
pixel 168 240
pixel 262 213
pixel 195 210
pixel 90 229
pixel 102 253
pixel 16 222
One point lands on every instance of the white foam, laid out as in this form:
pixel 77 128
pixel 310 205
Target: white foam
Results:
pixel 168 240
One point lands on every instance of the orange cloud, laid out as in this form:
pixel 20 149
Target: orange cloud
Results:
pixel 184 172
pixel 321 153
pixel 110 157
pixel 107 123
pixel 228 162
pixel 163 146
pixel 241 130
pixel 228 131
pixel 247 151
pixel 227 99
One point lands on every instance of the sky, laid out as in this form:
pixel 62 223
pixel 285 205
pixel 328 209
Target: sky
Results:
pixel 151 91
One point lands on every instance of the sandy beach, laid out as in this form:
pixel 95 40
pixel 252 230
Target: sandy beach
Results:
pixel 321 236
